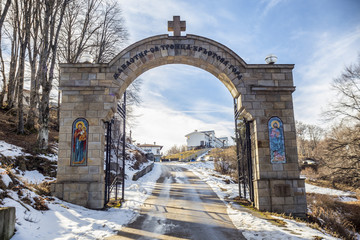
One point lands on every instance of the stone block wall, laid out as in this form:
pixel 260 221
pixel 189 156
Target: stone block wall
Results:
pixel 263 91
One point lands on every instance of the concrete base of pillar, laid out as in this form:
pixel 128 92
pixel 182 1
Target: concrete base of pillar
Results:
pixel 281 195
pixel 87 194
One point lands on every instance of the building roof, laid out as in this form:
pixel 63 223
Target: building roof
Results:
pixel 202 132
pixel 149 145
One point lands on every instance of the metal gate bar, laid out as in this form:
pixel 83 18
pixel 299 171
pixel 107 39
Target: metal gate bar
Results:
pixel 249 161
pixel 107 161
pixel 123 150
pixel 243 156
pixel 236 117
pixel 110 184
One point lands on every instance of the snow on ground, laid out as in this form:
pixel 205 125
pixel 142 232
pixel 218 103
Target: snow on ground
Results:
pixel 136 192
pixel 5 177
pixel 50 157
pixel 34 177
pixel 328 191
pixel 252 227
pixel 68 221
pixel 342 195
pixel 10 150
pixel 199 158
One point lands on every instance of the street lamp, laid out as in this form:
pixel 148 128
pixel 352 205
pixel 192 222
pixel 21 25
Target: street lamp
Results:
pixel 271 59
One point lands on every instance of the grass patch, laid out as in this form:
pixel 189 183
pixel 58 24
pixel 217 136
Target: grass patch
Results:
pixel 42 188
pixel 182 155
pixel 341 219
pixel 263 215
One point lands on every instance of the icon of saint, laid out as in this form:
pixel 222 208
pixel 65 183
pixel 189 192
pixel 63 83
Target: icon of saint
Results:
pixel 79 146
pixel 276 142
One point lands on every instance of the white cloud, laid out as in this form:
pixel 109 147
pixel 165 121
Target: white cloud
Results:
pixel 312 74
pixel 170 109
pixel 147 18
pixel 332 53
pixel 270 4
pixel 167 127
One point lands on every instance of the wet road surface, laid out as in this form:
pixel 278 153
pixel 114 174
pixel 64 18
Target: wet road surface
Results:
pixel 181 207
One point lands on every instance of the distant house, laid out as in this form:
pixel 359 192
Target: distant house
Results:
pixel 205 139
pixel 152 149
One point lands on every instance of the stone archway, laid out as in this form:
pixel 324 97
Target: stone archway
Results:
pixel 262 91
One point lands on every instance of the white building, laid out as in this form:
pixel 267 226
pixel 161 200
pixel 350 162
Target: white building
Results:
pixel 152 149
pixel 205 139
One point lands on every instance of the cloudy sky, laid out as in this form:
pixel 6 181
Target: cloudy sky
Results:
pixel 320 37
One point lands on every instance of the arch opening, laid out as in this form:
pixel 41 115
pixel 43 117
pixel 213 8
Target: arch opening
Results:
pixel 173 95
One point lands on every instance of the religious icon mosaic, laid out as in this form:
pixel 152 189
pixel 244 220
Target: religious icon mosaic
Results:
pixel 80 132
pixel 276 139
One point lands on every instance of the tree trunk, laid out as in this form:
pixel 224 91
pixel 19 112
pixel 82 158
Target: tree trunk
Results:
pixel 42 139
pixel 2 19
pixel 33 55
pixel 24 35
pixel 44 115
pixel 4 86
pixel 11 94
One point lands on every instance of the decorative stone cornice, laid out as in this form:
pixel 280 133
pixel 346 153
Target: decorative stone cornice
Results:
pixel 257 88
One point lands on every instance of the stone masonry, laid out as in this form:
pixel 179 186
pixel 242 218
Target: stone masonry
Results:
pixel 262 91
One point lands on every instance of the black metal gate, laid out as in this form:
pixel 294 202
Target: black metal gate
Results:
pixel 115 147
pixel 243 154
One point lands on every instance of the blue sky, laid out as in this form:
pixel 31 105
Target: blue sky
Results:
pixel 320 37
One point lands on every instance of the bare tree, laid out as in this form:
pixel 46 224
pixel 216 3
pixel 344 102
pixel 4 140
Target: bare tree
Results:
pixel 176 149
pixel 80 24
pixel 315 134
pixel 111 33
pixel 33 53
pixel 13 36
pixel 342 156
pixel 301 139
pixel 52 21
pixel 308 138
pixel 347 103
pixel 24 35
pixel 2 66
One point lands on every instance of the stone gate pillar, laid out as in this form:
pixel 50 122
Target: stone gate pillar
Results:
pixel 86 94
pixel 268 94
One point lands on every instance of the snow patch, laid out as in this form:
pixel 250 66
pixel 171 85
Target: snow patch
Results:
pixel 67 221
pixel 34 177
pixel 5 177
pixel 328 191
pixel 50 157
pixel 9 150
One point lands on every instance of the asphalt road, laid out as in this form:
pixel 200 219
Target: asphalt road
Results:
pixel 181 207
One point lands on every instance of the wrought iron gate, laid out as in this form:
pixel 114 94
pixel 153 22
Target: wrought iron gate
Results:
pixel 243 155
pixel 114 174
